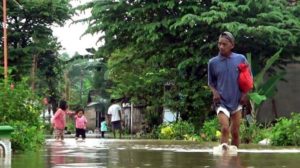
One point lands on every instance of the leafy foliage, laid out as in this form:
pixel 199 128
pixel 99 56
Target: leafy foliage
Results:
pixel 21 109
pixel 210 130
pixel 32 46
pixel 29 31
pixel 151 44
pixel 84 77
pixel 48 77
pixel 19 103
pixel 253 133
pixel 266 89
pixel 265 85
pixel 178 130
pixel 26 136
pixel 286 131
pixel 31 49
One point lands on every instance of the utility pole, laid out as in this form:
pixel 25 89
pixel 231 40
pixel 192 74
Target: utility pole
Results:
pixel 4 25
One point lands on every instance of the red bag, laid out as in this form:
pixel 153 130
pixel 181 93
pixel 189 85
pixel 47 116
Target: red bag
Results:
pixel 245 78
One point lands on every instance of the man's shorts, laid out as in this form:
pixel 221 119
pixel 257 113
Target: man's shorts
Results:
pixel 227 112
pixel 116 125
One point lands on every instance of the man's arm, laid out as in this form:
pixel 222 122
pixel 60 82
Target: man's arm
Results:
pixel 119 111
pixel 211 81
pixel 108 119
pixel 109 113
pixel 216 95
pixel 244 99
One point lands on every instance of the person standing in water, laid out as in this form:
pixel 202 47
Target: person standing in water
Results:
pixel 223 81
pixel 103 127
pixel 115 118
pixel 81 123
pixel 59 120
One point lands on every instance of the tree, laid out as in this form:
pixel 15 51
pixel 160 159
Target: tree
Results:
pixel 49 77
pixel 79 74
pixel 29 27
pixel 151 43
pixel 31 44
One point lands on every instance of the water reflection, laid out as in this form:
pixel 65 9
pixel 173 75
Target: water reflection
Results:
pixel 228 161
pixel 143 154
pixel 76 154
pixel 5 162
pixel 56 156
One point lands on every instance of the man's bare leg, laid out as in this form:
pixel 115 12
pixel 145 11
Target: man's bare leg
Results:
pixel 120 133
pixel 114 132
pixel 235 128
pixel 224 122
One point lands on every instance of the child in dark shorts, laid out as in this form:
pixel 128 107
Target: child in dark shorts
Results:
pixel 81 123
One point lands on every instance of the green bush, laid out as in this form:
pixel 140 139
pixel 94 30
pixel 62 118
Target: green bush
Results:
pixel 178 130
pixel 210 130
pixel 155 132
pixel 166 132
pixel 26 136
pixel 183 128
pixel 21 108
pixel 48 129
pixel 252 133
pixel 286 132
pixel 19 103
pixel 264 133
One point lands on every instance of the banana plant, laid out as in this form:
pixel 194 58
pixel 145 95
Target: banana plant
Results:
pixel 264 88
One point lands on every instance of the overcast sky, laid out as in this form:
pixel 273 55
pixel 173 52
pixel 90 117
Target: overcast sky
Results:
pixel 69 35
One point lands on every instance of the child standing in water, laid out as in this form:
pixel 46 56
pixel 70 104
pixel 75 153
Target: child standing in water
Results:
pixel 103 127
pixel 81 123
pixel 59 120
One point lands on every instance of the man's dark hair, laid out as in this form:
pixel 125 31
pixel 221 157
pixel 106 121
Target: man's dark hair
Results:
pixel 63 105
pixel 228 36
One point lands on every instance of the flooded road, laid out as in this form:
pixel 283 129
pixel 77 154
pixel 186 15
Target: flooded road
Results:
pixel 109 153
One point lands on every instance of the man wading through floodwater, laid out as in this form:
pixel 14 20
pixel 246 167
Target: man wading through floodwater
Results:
pixel 223 80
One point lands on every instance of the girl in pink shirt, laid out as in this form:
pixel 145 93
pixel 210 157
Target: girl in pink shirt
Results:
pixel 81 123
pixel 59 120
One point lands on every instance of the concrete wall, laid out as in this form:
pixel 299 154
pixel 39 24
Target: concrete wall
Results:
pixel 287 99
pixel 137 120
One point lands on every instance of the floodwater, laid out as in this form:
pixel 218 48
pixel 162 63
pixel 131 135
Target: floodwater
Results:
pixel 109 153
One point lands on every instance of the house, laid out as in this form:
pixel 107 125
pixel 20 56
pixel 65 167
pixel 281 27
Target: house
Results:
pixel 94 111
